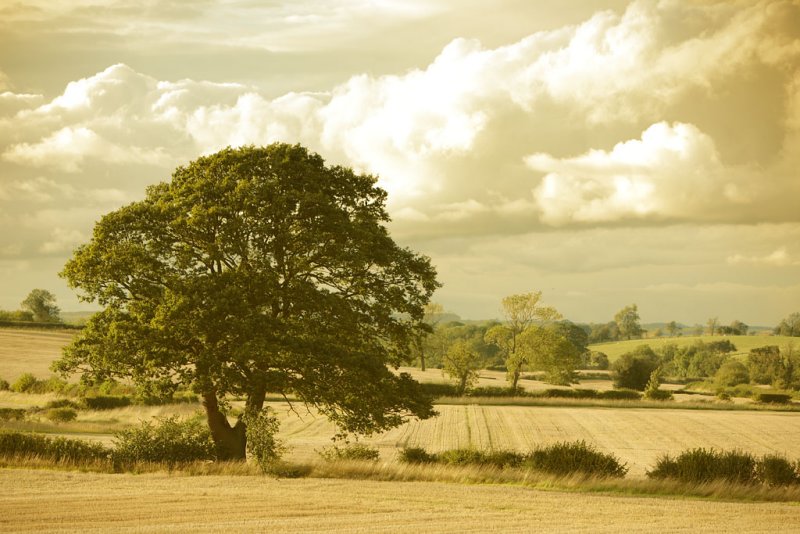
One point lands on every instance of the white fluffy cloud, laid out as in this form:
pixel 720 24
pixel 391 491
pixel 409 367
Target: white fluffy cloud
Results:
pixel 672 172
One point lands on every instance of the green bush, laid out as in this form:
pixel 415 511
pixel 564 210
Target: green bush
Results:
pixel 351 451
pixel 416 455
pixel 633 369
pixel 570 393
pixel 773 398
pixel 12 414
pixel 62 403
pixel 730 374
pixel 4 385
pixel 461 457
pixel 578 457
pixel 19 444
pixel 495 391
pixel 103 402
pixel 24 383
pixel 659 395
pixel 774 470
pixel 61 415
pixel 170 440
pixel 436 390
pixel 723 395
pixel 262 443
pixel 620 394
pixel 705 465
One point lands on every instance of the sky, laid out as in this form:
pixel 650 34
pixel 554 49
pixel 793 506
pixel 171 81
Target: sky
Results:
pixel 603 152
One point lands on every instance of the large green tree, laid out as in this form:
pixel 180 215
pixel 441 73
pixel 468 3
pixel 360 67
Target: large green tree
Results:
pixel 256 270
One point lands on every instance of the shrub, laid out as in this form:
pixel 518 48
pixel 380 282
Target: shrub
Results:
pixel 261 441
pixel 436 390
pixel 24 383
pixel 350 451
pixel 12 414
pixel 4 385
pixel 103 402
pixel 620 394
pixel 658 395
pixel 570 393
pixel 416 455
pixel 495 391
pixel 731 373
pixel 773 398
pixel 705 465
pixel 61 415
pixel 723 395
pixel 633 369
pixel 461 457
pixel 62 403
pixel 578 457
pixel 170 440
pixel 774 470
pixel 20 444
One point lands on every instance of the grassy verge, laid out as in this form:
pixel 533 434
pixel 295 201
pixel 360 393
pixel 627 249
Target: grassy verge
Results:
pixel 390 472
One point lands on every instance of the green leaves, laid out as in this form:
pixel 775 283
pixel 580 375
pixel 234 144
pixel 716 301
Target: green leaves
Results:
pixel 252 267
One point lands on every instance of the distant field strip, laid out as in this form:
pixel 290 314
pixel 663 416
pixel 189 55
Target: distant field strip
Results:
pixel 743 343
pixel 636 436
pixel 53 501
pixel 30 351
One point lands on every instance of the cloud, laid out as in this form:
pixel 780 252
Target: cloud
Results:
pixel 778 258
pixel 670 173
pixel 63 240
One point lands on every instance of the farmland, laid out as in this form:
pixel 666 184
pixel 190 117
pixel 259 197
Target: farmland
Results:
pixel 30 351
pixel 164 503
pixel 743 343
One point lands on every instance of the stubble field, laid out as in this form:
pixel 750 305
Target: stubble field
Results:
pixel 53 501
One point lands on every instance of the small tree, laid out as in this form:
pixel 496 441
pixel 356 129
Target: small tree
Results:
pixel 712 324
pixel 546 349
pixel 627 320
pixel 633 369
pixel 462 362
pixel 790 326
pixel 672 328
pixel 42 304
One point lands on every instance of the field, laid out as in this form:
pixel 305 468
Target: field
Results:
pixel 743 344
pixel 30 351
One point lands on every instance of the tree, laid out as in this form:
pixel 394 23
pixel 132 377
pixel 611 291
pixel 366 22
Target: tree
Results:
pixel 633 369
pixel 712 324
pixel 738 328
pixel 545 348
pixel 42 304
pixel 520 312
pixel 627 320
pixel 256 270
pixel 672 328
pixel 463 362
pixel 790 326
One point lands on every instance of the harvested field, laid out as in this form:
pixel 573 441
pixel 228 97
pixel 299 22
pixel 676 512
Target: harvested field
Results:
pixel 30 351
pixel 636 436
pixel 163 503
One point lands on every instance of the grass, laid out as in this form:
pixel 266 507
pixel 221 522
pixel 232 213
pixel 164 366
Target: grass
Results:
pixel 357 497
pixel 743 344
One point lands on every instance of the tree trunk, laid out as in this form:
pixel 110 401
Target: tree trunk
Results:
pixel 515 378
pixel 231 441
pixel 421 360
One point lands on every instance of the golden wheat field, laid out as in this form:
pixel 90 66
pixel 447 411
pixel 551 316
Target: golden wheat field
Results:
pixel 637 436
pixel 30 351
pixel 56 501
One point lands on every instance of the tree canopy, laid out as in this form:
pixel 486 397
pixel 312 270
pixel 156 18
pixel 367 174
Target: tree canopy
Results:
pixel 42 304
pixel 255 270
